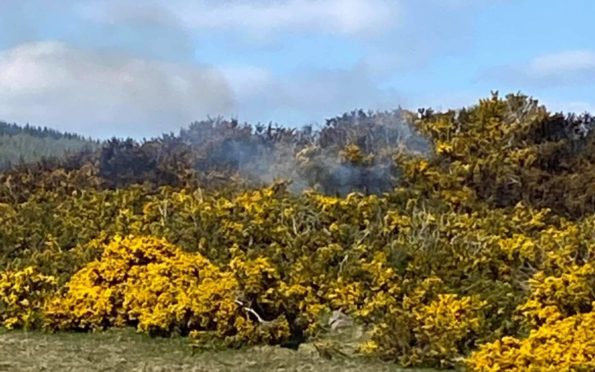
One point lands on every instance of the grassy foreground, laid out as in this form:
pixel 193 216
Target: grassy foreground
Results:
pixel 125 350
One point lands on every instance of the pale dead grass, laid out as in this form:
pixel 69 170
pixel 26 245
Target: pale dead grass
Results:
pixel 124 350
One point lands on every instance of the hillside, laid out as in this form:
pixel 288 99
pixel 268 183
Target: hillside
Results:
pixel 26 144
pixel 463 238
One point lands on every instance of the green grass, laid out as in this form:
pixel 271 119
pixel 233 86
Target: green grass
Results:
pixel 125 350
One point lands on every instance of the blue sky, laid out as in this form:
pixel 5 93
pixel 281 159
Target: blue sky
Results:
pixel 115 67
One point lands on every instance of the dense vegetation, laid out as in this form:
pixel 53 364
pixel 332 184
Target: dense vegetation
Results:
pixel 28 144
pixel 453 238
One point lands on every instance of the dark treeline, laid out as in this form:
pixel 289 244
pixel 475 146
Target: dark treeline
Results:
pixel 14 129
pixel 27 144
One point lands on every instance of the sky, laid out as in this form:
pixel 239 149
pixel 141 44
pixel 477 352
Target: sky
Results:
pixel 118 68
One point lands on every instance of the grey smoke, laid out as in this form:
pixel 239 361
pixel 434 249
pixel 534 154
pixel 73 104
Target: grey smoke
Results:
pixel 312 159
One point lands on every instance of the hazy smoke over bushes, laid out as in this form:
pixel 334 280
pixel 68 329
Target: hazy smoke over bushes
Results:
pixel 353 152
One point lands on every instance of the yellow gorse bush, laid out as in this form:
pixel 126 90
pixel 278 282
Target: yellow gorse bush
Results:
pixel 429 284
pixel 446 325
pixel 555 297
pixel 426 326
pixel 155 286
pixel 23 295
pixel 565 345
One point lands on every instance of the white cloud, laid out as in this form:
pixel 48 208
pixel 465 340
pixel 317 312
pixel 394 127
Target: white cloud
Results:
pixel 262 18
pixel 100 93
pixel 566 62
pixel 305 96
pixel 246 81
pixel 572 67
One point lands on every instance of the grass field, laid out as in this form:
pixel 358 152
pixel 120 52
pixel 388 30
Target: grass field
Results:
pixel 124 350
